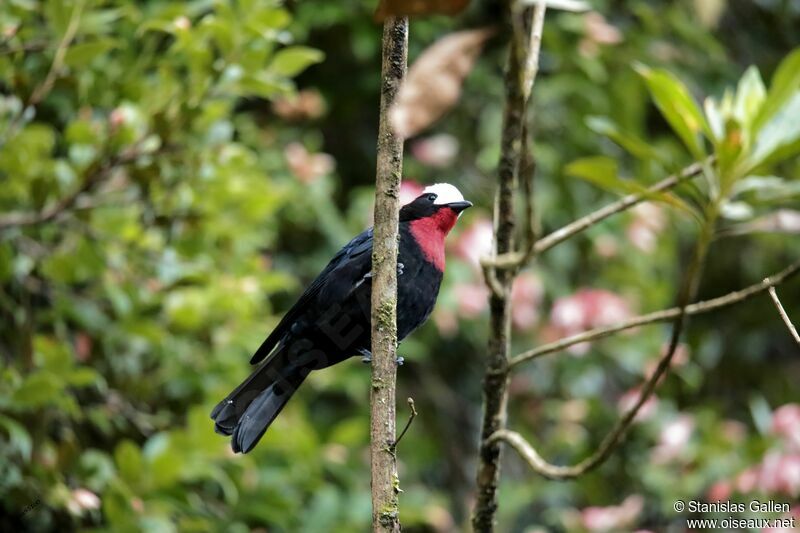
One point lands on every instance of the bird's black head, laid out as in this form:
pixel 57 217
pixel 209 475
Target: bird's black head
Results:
pixel 441 199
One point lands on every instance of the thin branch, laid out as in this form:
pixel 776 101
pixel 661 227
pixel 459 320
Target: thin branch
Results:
pixel 515 259
pixel 526 26
pixel 46 86
pixel 385 481
pixel 35 46
pixel 528 171
pixel 614 437
pixel 659 316
pixel 411 418
pixel 781 311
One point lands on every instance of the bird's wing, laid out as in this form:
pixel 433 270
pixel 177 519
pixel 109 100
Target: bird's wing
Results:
pixel 339 277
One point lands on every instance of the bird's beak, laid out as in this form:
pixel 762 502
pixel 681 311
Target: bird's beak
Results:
pixel 459 206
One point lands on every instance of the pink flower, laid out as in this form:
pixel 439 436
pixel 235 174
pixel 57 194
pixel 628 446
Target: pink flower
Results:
pixel 674 439
pixel 305 105
pixel 436 150
pixel 614 517
pixel 679 358
pixel 747 480
pixel 629 399
pixel 719 491
pixel 587 309
pixel 475 241
pixel 471 299
pixel 305 166
pixel 526 295
pixel 409 191
pixel 786 424
pixel 81 500
pixel 446 321
pixel 649 220
pixel 606 246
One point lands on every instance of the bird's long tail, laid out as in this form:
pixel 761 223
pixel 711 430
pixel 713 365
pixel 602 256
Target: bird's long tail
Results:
pixel 248 411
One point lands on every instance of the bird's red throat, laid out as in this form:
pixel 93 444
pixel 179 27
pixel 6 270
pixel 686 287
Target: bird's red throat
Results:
pixel 429 232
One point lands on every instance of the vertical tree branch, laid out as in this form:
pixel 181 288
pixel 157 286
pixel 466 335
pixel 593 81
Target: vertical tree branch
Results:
pixel 518 78
pixel 385 483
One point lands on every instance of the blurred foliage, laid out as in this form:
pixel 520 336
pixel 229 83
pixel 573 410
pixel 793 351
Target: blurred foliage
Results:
pixel 213 191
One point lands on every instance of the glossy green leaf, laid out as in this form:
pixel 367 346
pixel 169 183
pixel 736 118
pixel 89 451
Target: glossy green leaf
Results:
pixel 678 108
pixel 83 53
pixel 292 60
pixel 129 461
pixel 628 141
pixel 750 96
pixel 778 139
pixel 18 438
pixel 785 84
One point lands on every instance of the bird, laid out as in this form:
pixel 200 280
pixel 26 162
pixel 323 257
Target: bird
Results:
pixel 330 322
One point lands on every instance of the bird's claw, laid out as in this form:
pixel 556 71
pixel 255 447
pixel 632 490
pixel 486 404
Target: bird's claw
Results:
pixel 367 358
pixel 400 268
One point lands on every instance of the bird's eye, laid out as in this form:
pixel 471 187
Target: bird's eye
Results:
pixel 432 197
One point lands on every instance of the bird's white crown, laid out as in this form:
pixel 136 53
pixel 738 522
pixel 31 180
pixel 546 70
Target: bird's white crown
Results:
pixel 445 193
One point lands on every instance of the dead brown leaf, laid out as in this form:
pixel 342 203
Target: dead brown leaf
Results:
pixel 433 84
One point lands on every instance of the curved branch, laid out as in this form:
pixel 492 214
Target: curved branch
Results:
pixel 659 316
pixel 686 293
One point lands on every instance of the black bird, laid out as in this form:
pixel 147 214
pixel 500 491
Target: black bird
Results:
pixel 331 320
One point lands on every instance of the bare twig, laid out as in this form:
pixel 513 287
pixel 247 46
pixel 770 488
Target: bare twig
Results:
pixel 686 293
pixel 385 484
pixel 659 316
pixel 519 78
pixel 411 418
pixel 34 46
pixel 514 259
pixel 781 311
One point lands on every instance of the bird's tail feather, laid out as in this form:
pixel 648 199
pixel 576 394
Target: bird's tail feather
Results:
pixel 247 412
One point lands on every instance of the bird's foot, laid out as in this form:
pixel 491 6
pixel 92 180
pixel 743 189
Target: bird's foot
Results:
pixel 366 357
pixel 400 268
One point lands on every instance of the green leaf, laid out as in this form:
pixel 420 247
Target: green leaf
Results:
pixel 633 144
pixel 678 108
pixel 779 138
pixel 129 461
pixel 756 184
pixel 292 60
pixel 750 95
pixel 82 54
pixel 18 436
pixel 601 171
pixel 736 210
pixel 785 82
pixel 716 122
pixel 38 389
